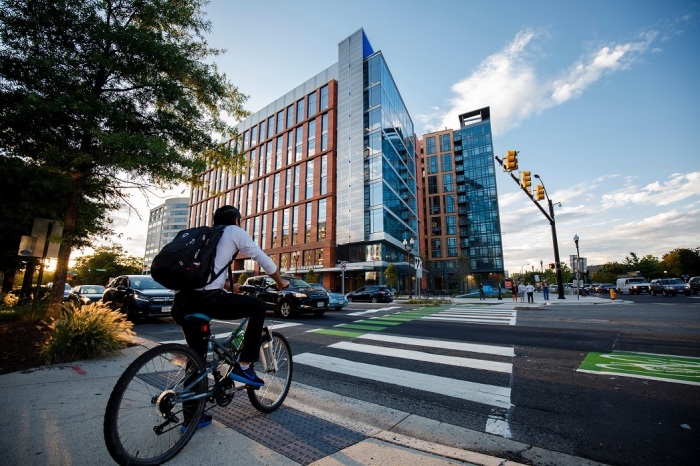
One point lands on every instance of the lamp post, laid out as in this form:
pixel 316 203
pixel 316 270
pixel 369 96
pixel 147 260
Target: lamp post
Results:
pixel 557 262
pixel 408 245
pixel 295 256
pixel 578 266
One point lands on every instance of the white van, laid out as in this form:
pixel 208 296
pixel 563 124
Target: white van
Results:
pixel 632 285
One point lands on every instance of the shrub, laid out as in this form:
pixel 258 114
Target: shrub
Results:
pixel 91 331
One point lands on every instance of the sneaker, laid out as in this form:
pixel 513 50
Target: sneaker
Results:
pixel 204 421
pixel 246 376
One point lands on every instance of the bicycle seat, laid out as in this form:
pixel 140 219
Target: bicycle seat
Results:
pixel 197 318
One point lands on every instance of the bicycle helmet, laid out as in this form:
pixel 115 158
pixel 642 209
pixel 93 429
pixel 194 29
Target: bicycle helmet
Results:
pixel 226 215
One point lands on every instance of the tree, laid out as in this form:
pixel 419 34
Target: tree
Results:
pixel 106 262
pixel 391 276
pixel 464 268
pixel 681 261
pixel 242 278
pixel 109 95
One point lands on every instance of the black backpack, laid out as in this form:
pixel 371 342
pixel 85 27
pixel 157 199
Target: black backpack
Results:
pixel 187 262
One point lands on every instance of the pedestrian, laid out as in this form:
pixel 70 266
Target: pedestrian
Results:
pixel 521 291
pixel 481 292
pixel 514 292
pixel 499 292
pixel 545 291
pixel 530 290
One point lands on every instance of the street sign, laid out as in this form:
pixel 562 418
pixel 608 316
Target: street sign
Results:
pixel 343 266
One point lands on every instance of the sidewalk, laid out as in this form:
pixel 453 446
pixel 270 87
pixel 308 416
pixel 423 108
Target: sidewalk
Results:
pixel 53 416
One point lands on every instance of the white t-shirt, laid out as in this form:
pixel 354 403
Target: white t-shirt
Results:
pixel 235 239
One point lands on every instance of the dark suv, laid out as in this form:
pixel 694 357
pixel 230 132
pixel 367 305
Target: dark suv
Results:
pixel 298 298
pixel 668 287
pixel 694 285
pixel 138 296
pixel 372 293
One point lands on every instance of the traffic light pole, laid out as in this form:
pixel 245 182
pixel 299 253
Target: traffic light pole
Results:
pixel 550 217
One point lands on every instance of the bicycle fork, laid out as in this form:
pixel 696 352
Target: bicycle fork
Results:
pixel 268 351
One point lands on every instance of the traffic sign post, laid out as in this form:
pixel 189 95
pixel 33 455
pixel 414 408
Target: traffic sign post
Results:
pixel 343 267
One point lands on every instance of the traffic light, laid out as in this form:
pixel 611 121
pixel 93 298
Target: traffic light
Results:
pixel 539 192
pixel 511 162
pixel 525 180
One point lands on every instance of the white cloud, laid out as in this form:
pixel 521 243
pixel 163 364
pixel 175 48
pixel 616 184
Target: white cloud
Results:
pixel 678 188
pixel 508 81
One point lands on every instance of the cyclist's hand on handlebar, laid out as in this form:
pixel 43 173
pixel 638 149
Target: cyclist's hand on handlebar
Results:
pixel 282 284
pixel 236 288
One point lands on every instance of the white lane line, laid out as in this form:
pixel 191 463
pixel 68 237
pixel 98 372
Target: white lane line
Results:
pixel 477 392
pixel 372 311
pixel 484 320
pixel 453 345
pixel 481 364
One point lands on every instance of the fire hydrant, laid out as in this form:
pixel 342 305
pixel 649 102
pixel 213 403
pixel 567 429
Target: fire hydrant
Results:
pixel 612 293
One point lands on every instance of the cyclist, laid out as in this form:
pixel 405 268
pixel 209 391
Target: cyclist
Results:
pixel 217 303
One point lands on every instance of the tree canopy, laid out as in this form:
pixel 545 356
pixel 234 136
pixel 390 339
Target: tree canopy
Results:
pixel 103 96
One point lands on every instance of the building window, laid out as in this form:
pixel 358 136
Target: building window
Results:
pixel 309 179
pixel 324 174
pixel 447 162
pixel 307 223
pixel 295 224
pixel 276 191
pixel 290 147
pixel 432 164
pixel 311 139
pixel 436 245
pixel 430 145
pixel 432 185
pixel 321 220
pixel 447 183
pixel 451 222
pixel 324 132
pixel 299 143
pixel 434 205
pixel 436 226
pixel 274 229
pixel 449 203
pixel 280 121
pixel 300 110
pixel 445 143
pixel 312 105
pixel 278 153
pixel 285 227
pixel 295 198
pixel 290 116
pixel 451 247
pixel 324 97
pixel 288 187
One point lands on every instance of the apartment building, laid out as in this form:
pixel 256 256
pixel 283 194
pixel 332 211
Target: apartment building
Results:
pixel 164 222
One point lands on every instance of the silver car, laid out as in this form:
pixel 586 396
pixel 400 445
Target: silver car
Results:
pixel 336 301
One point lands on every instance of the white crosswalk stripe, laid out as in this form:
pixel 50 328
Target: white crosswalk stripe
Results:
pixel 373 311
pixel 483 315
pixel 493 395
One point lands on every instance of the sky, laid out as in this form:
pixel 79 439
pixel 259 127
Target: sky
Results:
pixel 600 98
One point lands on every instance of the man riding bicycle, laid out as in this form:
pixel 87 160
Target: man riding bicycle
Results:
pixel 217 303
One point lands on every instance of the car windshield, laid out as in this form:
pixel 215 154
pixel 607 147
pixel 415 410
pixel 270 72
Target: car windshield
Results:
pixel 146 283
pixel 298 283
pixel 95 289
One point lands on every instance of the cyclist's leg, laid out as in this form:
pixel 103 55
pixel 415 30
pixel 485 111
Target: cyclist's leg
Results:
pixel 197 334
pixel 237 306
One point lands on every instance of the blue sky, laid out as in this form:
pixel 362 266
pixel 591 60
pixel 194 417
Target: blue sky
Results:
pixel 601 98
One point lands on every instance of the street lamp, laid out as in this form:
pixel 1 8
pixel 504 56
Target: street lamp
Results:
pixel 408 245
pixel 557 262
pixel 295 256
pixel 578 266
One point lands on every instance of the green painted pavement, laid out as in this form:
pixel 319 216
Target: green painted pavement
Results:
pixel 361 326
pixel 662 367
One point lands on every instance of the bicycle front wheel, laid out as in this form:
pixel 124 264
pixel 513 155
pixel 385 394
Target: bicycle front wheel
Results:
pixel 144 417
pixel 275 368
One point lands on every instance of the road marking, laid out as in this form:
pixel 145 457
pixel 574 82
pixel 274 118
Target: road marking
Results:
pixel 452 345
pixel 372 311
pixel 471 363
pixel 480 393
pixel 661 367
pixel 476 315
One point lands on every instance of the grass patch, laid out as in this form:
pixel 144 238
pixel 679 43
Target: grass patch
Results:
pixel 91 331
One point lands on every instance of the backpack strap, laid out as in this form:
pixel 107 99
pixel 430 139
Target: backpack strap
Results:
pixel 226 267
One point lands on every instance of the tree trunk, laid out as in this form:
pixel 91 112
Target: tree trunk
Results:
pixel 70 224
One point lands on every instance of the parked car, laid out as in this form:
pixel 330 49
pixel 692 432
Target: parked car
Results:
pixel 606 287
pixel 694 285
pixel 372 293
pixel 86 294
pixel 138 296
pixel 300 297
pixel 336 300
pixel 66 289
pixel 668 287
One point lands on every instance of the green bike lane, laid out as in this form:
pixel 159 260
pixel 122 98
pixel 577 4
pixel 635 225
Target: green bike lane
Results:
pixel 377 324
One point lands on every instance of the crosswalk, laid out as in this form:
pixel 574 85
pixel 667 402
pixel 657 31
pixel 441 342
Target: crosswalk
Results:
pixel 486 362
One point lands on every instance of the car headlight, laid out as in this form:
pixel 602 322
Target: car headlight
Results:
pixel 140 297
pixel 298 295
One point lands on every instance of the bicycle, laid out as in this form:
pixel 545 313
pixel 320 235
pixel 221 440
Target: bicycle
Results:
pixel 144 418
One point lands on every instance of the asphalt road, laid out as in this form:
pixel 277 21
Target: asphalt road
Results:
pixel 510 371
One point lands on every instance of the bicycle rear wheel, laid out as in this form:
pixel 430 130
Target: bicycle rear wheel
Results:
pixel 144 415
pixel 275 368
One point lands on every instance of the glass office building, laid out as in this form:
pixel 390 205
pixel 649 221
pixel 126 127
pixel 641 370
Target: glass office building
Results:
pixel 461 203
pixel 331 175
pixel 164 222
